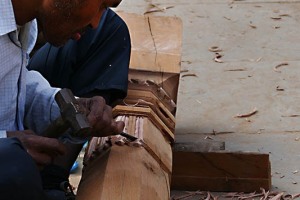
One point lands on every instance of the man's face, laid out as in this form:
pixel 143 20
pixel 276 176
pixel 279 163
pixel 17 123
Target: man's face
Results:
pixel 62 20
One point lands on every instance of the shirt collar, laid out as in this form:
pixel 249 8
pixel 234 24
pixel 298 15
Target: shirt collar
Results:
pixel 7 19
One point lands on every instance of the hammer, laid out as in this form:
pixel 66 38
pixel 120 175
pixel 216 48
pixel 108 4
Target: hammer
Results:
pixel 72 116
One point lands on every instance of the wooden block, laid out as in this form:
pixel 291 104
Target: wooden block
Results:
pixel 126 173
pixel 156 42
pixel 221 171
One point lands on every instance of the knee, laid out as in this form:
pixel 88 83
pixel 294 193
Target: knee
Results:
pixel 18 171
pixel 16 161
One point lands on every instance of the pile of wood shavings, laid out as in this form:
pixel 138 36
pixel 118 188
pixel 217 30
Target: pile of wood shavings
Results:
pixel 262 195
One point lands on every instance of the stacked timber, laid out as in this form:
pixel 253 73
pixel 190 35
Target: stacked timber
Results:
pixel 116 168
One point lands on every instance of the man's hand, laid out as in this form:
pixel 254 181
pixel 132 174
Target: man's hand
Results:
pixel 43 150
pixel 100 117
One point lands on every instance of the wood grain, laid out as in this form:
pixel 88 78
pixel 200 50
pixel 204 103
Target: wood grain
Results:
pixel 221 171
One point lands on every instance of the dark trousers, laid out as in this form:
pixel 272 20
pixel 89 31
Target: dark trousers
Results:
pixel 19 176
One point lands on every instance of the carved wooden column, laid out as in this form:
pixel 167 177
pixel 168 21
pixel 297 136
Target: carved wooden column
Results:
pixel 116 168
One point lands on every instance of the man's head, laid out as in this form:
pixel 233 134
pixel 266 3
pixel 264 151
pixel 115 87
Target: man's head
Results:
pixel 61 20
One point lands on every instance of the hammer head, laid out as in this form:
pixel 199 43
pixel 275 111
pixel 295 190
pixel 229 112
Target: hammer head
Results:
pixel 72 112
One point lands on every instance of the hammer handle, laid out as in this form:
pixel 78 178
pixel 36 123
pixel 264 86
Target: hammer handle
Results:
pixel 56 128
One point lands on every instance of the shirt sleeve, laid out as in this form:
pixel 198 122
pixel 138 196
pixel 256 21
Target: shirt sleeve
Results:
pixel 40 107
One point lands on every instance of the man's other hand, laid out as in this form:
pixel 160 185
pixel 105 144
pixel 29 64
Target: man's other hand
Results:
pixel 42 149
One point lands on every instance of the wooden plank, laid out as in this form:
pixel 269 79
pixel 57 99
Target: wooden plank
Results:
pixel 221 171
pixel 156 42
pixel 126 173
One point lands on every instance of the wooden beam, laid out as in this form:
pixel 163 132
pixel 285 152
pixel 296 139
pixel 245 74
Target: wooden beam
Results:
pixel 124 172
pixel 156 44
pixel 128 172
pixel 221 171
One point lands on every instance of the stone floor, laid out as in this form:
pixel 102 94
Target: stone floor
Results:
pixel 259 69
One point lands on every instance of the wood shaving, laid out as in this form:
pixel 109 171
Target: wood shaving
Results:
pixel 263 195
pixel 184 70
pixel 226 18
pixel 188 62
pixel 258 59
pixel 295 196
pixel 155 8
pixel 285 15
pixel 278 88
pixel 235 70
pixel 294 182
pixel 247 114
pixel 222 132
pixel 192 74
pixel 215 49
pixel 139 102
pixel 277 197
pixel 208 138
pixel 276 18
pixel 295 172
pixel 280 65
pixel 252 26
pixel 217 58
pixel 188 195
pixel 294 115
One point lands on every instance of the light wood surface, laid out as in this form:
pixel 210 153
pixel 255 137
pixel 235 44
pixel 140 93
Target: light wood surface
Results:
pixel 156 43
pixel 126 173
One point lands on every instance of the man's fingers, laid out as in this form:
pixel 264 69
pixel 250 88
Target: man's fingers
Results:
pixel 119 127
pixel 52 146
pixel 40 158
pixel 97 107
pixel 49 146
pixel 101 119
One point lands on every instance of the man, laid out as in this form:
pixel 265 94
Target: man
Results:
pixel 97 64
pixel 27 100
